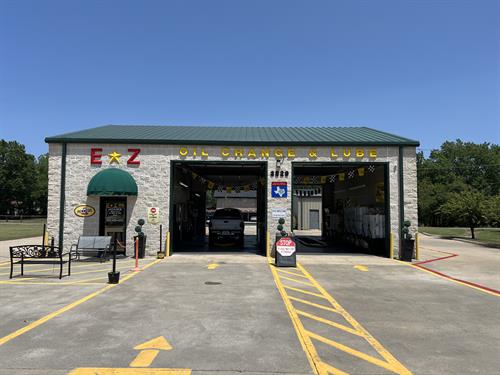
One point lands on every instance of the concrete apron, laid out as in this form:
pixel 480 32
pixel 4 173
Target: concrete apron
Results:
pixel 228 317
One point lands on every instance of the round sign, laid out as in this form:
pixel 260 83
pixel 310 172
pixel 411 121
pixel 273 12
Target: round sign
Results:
pixel 153 210
pixel 84 210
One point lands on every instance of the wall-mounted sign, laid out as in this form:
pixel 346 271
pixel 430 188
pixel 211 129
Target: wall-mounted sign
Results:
pixel 278 213
pixel 279 153
pixel 279 189
pixel 153 215
pixel 114 157
pixel 84 210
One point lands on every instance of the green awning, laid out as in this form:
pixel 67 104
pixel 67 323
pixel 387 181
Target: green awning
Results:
pixel 112 181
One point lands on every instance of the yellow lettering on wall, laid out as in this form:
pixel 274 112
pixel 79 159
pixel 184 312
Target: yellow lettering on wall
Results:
pixel 291 153
pixel 251 153
pixel 238 152
pixel 224 152
pixel 313 154
pixel 347 152
pixel 360 152
pixel 183 151
pixel 203 153
pixel 194 151
pixel 264 153
pixel 278 153
pixel 333 154
pixel 373 153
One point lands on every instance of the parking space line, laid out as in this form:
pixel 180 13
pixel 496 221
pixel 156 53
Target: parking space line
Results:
pixel 328 322
pixel 303 291
pixel 312 304
pixel 296 281
pixel 73 266
pixel 306 337
pixel 290 273
pixel 68 307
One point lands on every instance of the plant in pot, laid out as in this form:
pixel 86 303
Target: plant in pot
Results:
pixel 280 229
pixel 407 242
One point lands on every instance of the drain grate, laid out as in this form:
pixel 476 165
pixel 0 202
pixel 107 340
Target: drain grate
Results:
pixel 212 283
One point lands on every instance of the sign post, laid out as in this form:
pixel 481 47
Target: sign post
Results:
pixel 285 253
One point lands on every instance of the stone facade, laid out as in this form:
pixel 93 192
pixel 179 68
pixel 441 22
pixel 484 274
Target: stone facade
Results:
pixel 153 181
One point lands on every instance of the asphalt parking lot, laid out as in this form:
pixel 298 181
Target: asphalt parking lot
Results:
pixel 230 314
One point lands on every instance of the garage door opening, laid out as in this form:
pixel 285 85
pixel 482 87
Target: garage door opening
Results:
pixel 218 207
pixel 341 208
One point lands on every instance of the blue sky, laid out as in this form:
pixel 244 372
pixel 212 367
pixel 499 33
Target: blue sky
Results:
pixel 428 70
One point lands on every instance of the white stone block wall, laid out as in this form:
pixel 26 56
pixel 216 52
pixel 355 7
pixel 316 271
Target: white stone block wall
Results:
pixel 153 180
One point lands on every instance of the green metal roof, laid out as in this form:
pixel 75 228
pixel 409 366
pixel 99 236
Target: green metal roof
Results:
pixel 112 181
pixel 219 135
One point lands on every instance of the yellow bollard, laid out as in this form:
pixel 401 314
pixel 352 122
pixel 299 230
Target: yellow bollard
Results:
pixel 167 242
pixel 391 246
pixel 417 255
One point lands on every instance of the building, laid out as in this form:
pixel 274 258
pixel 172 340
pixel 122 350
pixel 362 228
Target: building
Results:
pixel 102 180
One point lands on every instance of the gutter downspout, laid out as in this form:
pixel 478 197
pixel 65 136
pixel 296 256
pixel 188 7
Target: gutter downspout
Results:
pixel 401 200
pixel 62 197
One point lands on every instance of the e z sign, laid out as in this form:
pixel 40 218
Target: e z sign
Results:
pixel 114 157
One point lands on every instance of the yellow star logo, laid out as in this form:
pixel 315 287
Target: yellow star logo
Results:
pixel 114 156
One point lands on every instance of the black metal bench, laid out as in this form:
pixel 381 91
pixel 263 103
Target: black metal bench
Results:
pixel 99 246
pixel 38 254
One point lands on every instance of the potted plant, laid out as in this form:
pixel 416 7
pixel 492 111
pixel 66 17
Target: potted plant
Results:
pixel 407 243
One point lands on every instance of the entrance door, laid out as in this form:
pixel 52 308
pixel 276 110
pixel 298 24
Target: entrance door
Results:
pixel 313 219
pixel 113 221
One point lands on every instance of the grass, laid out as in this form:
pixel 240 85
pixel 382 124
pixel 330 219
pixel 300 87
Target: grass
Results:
pixel 12 230
pixel 483 235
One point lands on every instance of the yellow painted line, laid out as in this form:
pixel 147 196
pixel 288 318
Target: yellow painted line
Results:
pixel 212 266
pixel 329 322
pixel 129 371
pixel 2 263
pixel 72 305
pixel 396 365
pixel 447 278
pixel 159 343
pixel 361 268
pixel 303 291
pixel 51 284
pixel 295 280
pixel 305 341
pixel 290 273
pixel 145 358
pixel 328 369
pixel 21 281
pixel 354 352
pixel 313 304
pixel 73 266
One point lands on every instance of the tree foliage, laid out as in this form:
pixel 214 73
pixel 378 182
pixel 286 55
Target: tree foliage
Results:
pixel 458 185
pixel 23 180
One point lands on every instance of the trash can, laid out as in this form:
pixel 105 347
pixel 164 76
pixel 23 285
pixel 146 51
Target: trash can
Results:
pixel 142 246
pixel 407 247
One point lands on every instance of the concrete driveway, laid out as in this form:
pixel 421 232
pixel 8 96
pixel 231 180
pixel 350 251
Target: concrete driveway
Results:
pixel 235 313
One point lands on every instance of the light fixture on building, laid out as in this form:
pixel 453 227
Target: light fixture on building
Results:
pixel 278 163
pixel 198 195
pixel 183 184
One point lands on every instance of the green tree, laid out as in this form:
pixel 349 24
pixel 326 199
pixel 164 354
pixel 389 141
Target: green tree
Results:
pixel 469 208
pixel 17 177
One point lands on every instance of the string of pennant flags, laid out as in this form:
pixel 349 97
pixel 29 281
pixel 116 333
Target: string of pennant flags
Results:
pixel 229 188
pixel 297 180
pixel 315 180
